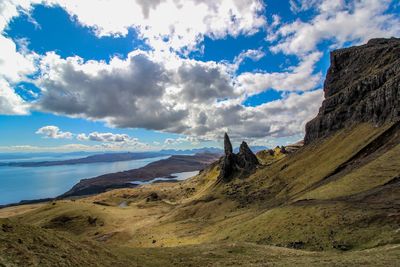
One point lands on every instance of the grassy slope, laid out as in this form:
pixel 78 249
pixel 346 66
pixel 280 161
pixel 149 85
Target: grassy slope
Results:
pixel 373 174
pixel 24 245
pixel 286 203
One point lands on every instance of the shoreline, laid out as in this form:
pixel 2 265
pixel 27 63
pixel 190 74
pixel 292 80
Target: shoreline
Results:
pixel 165 168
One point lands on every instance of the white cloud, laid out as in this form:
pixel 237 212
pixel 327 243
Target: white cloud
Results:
pixel 299 78
pixel 253 54
pixel 337 21
pixel 54 132
pixel 188 139
pixel 10 102
pixel 297 6
pixel 177 24
pixel 198 99
pixel 279 118
pixel 14 65
pixel 111 141
pixel 106 137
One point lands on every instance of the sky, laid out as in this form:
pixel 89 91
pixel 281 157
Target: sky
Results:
pixel 137 75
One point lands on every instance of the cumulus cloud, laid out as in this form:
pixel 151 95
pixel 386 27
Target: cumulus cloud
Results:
pixel 177 95
pixel 111 141
pixel 14 65
pixel 164 24
pixel 182 96
pixel 108 141
pixel 298 78
pixel 188 139
pixel 10 102
pixel 105 137
pixel 253 54
pixel 203 82
pixel 297 6
pixel 125 93
pixel 54 132
pixel 279 118
pixel 180 25
pixel 337 21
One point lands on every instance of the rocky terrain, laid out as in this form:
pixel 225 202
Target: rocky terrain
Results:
pixel 334 201
pixel 362 85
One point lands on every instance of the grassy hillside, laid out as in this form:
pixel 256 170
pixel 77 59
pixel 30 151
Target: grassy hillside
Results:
pixel 25 245
pixel 333 202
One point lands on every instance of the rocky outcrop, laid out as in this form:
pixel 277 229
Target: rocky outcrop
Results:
pixel 227 145
pixel 362 85
pixel 236 165
pixel 245 158
pixel 289 149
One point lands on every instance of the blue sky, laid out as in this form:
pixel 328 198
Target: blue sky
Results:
pixel 148 77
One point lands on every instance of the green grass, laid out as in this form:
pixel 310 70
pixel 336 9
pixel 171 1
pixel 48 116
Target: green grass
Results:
pixel 375 173
pixel 24 245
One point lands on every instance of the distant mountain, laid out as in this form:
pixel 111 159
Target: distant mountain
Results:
pixel 51 159
pixel 108 157
pixel 255 149
pixel 33 155
pixel 212 150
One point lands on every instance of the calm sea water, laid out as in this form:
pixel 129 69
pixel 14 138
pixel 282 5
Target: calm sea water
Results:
pixel 179 176
pixel 26 183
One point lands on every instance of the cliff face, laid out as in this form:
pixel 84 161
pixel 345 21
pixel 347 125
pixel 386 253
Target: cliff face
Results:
pixel 362 85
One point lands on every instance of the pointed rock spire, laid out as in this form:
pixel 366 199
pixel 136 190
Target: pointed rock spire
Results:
pixel 236 165
pixel 227 145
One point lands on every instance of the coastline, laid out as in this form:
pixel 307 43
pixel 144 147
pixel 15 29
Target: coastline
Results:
pixel 165 168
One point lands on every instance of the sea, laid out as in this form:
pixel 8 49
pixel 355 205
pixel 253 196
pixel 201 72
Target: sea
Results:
pixel 30 183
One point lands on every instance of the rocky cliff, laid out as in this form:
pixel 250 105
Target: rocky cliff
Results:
pixel 362 85
pixel 240 164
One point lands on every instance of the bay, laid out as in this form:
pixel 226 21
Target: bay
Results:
pixel 29 183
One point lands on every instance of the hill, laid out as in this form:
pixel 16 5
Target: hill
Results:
pixel 334 201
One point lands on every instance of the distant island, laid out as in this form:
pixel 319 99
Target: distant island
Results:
pixel 125 179
pixel 121 156
pixel 108 157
